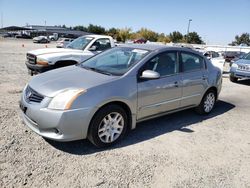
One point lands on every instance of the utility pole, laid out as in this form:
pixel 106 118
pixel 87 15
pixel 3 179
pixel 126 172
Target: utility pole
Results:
pixel 189 21
pixel 45 28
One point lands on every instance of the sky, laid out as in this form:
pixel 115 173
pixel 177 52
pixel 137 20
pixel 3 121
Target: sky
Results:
pixel 216 21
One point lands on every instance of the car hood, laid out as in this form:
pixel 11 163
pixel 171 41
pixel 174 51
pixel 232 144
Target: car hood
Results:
pixel 52 82
pixel 53 50
pixel 243 61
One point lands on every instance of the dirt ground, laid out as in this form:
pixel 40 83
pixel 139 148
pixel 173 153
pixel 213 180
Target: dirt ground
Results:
pixel 178 150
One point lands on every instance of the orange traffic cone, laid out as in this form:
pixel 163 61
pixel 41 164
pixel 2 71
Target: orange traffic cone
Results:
pixel 46 46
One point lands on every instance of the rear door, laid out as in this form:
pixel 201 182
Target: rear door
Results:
pixel 163 94
pixel 194 78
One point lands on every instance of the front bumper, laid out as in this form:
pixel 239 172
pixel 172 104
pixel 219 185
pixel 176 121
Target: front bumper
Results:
pixel 56 125
pixel 240 74
pixel 35 68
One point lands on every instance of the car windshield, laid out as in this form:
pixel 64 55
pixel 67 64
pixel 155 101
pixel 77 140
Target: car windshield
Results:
pixel 116 61
pixel 247 56
pixel 80 43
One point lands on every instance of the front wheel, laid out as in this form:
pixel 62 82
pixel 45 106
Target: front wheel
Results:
pixel 108 126
pixel 207 103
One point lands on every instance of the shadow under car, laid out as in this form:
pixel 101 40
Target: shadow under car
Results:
pixel 147 130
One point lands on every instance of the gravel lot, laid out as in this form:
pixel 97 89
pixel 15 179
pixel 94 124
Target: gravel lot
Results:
pixel 179 150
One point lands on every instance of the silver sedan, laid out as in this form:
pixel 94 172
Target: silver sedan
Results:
pixel 106 95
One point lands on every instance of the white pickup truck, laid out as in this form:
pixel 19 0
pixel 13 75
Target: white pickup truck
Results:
pixel 80 49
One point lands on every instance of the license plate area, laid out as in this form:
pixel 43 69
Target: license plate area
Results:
pixel 243 68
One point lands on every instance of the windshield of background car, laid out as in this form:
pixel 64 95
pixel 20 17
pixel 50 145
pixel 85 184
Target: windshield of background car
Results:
pixel 247 56
pixel 80 43
pixel 116 61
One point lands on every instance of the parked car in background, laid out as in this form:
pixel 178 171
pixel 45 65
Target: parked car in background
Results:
pixel 41 39
pixel 230 55
pixel 240 69
pixel 216 59
pixel 80 49
pixel 106 95
pixel 23 36
pixel 6 35
pixel 211 54
pixel 53 37
pixel 139 41
pixel 63 42
pixel 240 56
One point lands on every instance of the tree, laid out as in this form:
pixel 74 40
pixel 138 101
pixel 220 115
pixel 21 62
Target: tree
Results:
pixel 113 32
pixel 244 38
pixel 176 36
pixel 163 38
pixel 193 38
pixel 124 34
pixel 96 29
pixel 147 34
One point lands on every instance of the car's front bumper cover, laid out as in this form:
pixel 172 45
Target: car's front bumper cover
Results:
pixel 240 74
pixel 38 68
pixel 57 125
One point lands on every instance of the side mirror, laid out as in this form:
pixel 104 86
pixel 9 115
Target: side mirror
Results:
pixel 93 48
pixel 150 75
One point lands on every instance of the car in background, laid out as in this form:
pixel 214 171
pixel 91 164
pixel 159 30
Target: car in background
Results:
pixel 63 42
pixel 240 56
pixel 216 59
pixel 41 39
pixel 240 69
pixel 82 48
pixel 23 36
pixel 6 35
pixel 106 95
pixel 140 41
pixel 230 55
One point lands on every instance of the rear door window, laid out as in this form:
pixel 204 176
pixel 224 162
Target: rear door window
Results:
pixel 191 62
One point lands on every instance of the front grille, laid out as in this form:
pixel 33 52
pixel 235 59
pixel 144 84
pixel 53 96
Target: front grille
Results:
pixel 32 96
pixel 31 58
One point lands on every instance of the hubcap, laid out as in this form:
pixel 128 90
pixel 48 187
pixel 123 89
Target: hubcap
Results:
pixel 209 102
pixel 111 127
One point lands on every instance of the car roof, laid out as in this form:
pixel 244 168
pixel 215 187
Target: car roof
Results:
pixel 156 47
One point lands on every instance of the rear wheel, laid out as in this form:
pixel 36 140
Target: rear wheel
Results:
pixel 207 103
pixel 233 79
pixel 108 126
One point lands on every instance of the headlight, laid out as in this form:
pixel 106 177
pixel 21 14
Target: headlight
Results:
pixel 234 65
pixel 65 99
pixel 41 61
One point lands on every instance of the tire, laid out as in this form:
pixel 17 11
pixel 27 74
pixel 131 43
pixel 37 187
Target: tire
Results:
pixel 207 103
pixel 233 79
pixel 104 130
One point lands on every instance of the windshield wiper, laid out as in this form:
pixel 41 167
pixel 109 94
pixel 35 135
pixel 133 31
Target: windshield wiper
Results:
pixel 97 70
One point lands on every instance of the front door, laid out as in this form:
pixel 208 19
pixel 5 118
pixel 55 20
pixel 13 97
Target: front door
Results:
pixel 163 94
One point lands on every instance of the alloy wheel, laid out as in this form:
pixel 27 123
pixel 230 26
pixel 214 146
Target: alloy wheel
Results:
pixel 209 102
pixel 111 127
